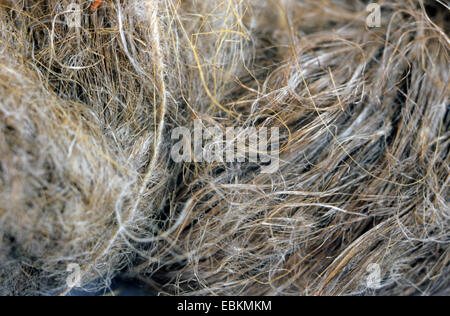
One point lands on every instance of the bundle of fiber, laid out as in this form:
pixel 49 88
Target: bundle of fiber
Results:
pixel 82 156
pixel 91 92
pixel 59 185
pixel 360 202
pixel 88 97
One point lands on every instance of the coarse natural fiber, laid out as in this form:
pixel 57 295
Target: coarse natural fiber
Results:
pixel 86 177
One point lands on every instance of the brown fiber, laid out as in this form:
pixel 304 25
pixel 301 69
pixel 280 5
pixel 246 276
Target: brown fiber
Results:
pixel 86 177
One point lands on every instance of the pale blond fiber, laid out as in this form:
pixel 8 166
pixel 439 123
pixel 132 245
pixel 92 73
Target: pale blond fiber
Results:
pixel 85 169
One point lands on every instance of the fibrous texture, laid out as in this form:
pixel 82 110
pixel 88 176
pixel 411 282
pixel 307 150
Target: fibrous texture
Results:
pixel 86 177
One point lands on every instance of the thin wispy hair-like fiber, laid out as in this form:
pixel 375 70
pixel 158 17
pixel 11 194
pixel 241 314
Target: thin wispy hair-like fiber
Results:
pixel 85 169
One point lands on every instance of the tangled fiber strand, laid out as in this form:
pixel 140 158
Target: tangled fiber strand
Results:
pixel 75 202
pixel 364 169
pixel 86 176
pixel 102 97
pixel 59 185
